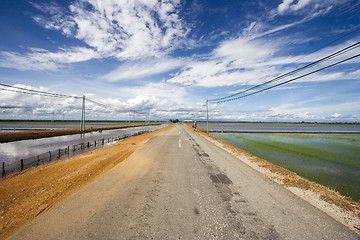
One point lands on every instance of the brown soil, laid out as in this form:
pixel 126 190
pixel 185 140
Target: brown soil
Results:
pixel 350 215
pixel 26 195
pixel 25 135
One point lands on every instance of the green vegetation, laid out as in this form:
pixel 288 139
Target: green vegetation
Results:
pixel 174 120
pixel 329 159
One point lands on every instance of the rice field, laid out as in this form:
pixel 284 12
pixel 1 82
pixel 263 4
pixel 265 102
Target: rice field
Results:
pixel 332 160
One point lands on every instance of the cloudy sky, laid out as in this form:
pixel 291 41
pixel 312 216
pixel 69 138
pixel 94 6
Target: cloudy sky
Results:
pixel 163 59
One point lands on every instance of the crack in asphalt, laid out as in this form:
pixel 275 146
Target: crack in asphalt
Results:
pixel 240 217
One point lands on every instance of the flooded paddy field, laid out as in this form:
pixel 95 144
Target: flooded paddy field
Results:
pixel 19 155
pixel 282 127
pixel 332 160
pixel 14 126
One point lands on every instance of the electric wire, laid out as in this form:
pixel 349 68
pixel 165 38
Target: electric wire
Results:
pixel 106 106
pixel 337 53
pixel 291 80
pixel 99 104
pixel 357 28
pixel 40 93
pixel 317 49
pixel 30 93
pixel 49 94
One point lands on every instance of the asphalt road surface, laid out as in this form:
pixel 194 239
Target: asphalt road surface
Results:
pixel 180 186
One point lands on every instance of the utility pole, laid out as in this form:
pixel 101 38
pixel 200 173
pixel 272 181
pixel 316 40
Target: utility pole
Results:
pixel 130 119
pixel 134 114
pixel 82 121
pixel 207 116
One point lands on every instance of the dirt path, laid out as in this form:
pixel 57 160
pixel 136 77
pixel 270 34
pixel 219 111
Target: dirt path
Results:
pixel 26 195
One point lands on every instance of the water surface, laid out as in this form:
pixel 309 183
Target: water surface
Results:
pixel 281 127
pixel 38 151
pixel 332 160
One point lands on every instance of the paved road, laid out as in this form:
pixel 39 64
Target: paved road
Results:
pixel 180 186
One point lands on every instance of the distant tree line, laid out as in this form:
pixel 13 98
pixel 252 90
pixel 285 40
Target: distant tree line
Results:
pixel 174 120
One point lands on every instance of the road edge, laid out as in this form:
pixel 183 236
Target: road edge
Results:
pixel 29 194
pixel 347 212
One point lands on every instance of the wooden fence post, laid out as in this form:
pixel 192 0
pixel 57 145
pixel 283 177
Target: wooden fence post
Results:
pixel 3 169
pixel 21 164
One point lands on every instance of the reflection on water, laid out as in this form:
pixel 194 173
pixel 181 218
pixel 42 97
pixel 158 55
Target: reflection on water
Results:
pixel 281 127
pixel 329 159
pixel 11 126
pixel 14 151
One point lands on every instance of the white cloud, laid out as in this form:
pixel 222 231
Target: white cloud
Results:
pixel 249 62
pixel 234 62
pixel 27 62
pixel 336 115
pixel 40 59
pixel 291 5
pixel 161 90
pixel 143 68
pixel 61 20
pixel 26 106
pixel 130 30
pixel 275 29
pixel 309 8
pixel 243 49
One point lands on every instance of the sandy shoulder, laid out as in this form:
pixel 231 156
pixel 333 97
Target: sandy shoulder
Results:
pixel 26 195
pixel 342 209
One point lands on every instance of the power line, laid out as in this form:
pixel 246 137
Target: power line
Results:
pixel 288 81
pixel 50 94
pixel 37 92
pixel 357 28
pixel 17 91
pixel 104 105
pixel 342 51
pixel 30 93
pixel 99 104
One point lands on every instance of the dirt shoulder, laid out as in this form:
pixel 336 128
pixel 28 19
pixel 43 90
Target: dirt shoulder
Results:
pixel 343 209
pixel 25 135
pixel 26 195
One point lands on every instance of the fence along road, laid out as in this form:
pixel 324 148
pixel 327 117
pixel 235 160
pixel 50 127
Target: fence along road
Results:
pixel 31 153
pixel 180 186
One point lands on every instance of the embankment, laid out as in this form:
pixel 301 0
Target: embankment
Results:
pixel 26 135
pixel 26 195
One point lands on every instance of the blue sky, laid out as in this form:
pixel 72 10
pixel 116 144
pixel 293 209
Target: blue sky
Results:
pixel 163 59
